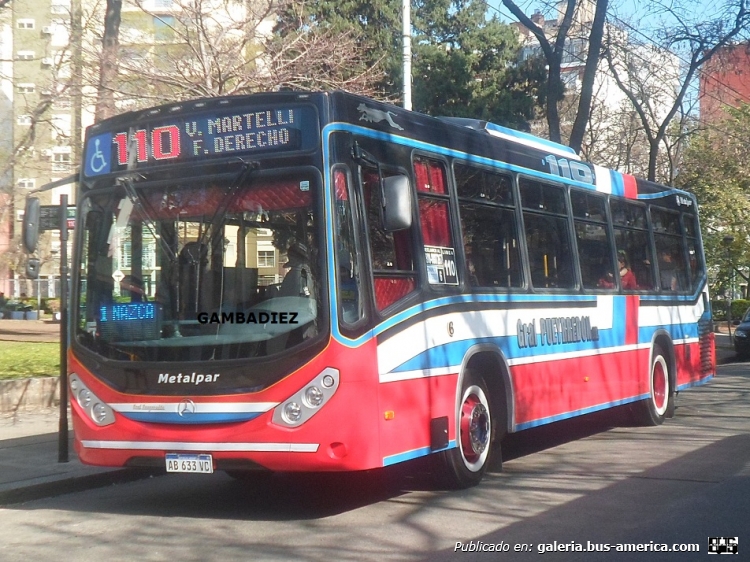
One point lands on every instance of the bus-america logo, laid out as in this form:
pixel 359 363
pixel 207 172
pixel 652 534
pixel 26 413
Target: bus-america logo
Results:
pixel 554 331
pixel 190 378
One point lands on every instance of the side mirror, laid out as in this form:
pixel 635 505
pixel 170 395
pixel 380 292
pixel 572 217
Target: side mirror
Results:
pixel 32 268
pixel 397 211
pixel 30 230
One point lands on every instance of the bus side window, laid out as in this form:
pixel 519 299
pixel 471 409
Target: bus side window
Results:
pixel 434 218
pixel 488 227
pixel 592 237
pixel 695 263
pixel 547 237
pixel 349 281
pixel 393 271
pixel 673 272
pixel 631 238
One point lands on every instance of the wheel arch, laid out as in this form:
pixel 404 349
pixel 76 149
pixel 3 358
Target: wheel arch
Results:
pixel 489 361
pixel 663 339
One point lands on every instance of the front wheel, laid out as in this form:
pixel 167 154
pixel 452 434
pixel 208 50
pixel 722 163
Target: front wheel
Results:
pixel 660 402
pixel 466 463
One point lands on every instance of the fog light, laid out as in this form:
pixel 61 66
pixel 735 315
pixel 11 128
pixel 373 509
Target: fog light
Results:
pixel 314 396
pixel 74 385
pixel 99 412
pixel 328 381
pixel 84 398
pixel 292 412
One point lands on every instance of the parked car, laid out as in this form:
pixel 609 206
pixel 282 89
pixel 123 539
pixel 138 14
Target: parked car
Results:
pixel 742 335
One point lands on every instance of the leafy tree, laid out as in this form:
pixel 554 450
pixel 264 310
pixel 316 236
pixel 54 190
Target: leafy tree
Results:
pixel 696 36
pixel 716 167
pixel 374 25
pixel 553 48
pixel 465 65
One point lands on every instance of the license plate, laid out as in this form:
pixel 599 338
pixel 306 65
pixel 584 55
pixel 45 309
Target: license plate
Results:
pixel 201 464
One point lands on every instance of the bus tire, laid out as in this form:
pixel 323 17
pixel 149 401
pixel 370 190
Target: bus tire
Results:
pixel 466 463
pixel 660 402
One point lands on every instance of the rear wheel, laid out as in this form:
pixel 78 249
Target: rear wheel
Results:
pixel 466 463
pixel 660 402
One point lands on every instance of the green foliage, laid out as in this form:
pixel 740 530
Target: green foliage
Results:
pixel 375 23
pixel 719 309
pixel 716 167
pixel 465 65
pixel 24 359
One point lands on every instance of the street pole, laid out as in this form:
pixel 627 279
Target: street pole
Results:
pixel 406 32
pixel 62 441
pixel 728 243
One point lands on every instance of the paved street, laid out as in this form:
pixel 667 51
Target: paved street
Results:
pixel 594 479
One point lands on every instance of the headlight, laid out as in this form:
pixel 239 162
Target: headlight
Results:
pixel 304 404
pixel 740 333
pixel 97 410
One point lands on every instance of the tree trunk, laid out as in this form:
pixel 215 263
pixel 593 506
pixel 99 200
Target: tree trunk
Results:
pixel 589 73
pixel 105 104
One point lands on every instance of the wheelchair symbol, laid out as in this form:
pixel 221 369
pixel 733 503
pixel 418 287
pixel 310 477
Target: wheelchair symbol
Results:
pixel 97 162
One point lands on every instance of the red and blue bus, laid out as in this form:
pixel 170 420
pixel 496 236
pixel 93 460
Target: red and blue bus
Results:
pixel 322 282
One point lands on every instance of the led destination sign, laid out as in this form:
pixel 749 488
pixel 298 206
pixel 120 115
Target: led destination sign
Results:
pixel 195 137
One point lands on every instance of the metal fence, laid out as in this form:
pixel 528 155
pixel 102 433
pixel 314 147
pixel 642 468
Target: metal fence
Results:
pixel 20 288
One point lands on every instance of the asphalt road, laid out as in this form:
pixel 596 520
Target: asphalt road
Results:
pixel 591 481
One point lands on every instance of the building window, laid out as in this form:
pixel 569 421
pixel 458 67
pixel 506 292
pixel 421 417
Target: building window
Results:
pixel 27 183
pixel 266 258
pixel 62 103
pixel 25 55
pixel 60 161
pixel 26 88
pixel 61 7
pixel 163 3
pixel 25 24
pixel 24 120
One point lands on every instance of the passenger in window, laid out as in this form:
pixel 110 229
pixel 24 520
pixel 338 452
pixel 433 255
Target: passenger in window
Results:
pixel 627 277
pixel 298 281
pixel 668 272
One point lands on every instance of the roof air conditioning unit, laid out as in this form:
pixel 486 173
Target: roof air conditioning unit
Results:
pixel 47 152
pixel 47 30
pixel 47 61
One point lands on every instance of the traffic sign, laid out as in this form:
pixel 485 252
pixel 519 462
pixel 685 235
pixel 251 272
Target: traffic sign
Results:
pixel 49 217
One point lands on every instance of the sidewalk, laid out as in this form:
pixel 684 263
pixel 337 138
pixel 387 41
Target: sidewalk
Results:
pixel 29 330
pixel 29 467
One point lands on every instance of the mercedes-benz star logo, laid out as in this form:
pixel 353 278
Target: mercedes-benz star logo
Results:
pixel 186 407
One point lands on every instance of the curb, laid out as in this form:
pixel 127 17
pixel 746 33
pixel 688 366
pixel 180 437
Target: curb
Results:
pixel 29 394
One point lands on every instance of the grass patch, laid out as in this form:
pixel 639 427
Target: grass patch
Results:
pixel 19 360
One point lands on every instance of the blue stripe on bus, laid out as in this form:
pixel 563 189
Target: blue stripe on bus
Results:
pixel 691 384
pixel 415 453
pixel 618 184
pixel 195 418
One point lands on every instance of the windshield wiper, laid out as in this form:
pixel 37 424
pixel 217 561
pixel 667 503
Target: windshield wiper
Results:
pixel 135 199
pixel 220 215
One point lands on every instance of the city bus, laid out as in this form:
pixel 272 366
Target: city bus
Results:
pixel 291 281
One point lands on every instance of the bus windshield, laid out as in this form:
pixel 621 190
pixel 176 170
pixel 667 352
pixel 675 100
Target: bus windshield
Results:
pixel 201 270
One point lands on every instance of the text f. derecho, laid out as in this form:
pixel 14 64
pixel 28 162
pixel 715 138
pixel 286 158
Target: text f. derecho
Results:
pixel 244 132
